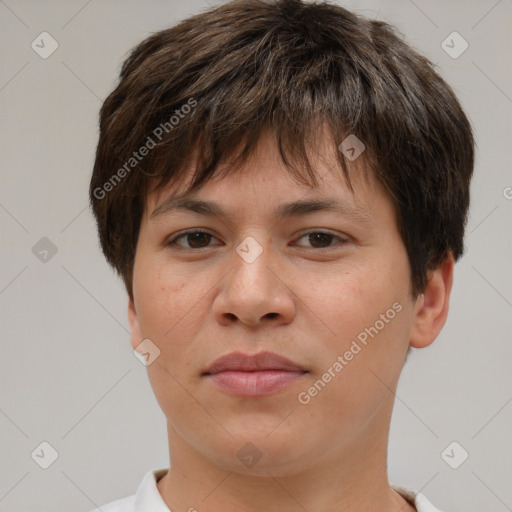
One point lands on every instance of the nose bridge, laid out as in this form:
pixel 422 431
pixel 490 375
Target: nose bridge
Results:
pixel 252 264
pixel 252 289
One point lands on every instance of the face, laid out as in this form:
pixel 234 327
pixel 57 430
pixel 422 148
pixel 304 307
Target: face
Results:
pixel 325 288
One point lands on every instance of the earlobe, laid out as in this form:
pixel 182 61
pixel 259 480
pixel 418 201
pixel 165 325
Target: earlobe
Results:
pixel 133 320
pixel 431 308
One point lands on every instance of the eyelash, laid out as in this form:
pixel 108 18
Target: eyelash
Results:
pixel 173 241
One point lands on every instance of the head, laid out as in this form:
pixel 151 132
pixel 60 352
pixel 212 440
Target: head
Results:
pixel 252 105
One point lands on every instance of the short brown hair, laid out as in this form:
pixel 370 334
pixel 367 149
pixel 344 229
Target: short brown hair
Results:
pixel 216 80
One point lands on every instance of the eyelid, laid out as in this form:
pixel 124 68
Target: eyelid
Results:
pixel 341 238
pixel 338 239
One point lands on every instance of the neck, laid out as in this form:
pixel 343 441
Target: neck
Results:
pixel 352 479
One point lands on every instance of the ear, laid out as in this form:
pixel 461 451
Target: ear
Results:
pixel 431 308
pixel 133 320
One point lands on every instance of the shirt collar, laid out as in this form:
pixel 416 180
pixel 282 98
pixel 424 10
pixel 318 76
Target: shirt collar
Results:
pixel 148 496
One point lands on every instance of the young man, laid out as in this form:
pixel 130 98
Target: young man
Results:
pixel 283 187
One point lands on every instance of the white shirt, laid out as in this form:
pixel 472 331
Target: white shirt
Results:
pixel 148 498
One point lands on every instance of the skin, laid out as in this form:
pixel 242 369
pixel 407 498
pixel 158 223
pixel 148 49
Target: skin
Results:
pixel 304 301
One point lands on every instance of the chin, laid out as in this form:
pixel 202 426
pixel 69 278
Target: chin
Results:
pixel 262 455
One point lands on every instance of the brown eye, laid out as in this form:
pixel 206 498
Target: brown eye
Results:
pixel 321 240
pixel 194 239
pixel 199 239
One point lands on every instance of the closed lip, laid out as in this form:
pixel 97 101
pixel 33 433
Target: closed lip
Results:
pixel 238 361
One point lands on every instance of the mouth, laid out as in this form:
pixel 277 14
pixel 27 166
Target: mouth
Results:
pixel 253 375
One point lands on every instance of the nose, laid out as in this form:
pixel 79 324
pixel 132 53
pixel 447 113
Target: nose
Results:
pixel 254 292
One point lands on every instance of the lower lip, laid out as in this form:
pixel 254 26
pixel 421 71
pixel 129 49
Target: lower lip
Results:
pixel 257 383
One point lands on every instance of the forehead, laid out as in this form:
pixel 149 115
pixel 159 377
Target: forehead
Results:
pixel 268 180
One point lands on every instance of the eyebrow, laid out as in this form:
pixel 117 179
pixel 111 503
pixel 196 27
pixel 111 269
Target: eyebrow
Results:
pixel 293 209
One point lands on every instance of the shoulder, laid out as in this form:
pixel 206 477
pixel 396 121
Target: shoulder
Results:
pixel 122 505
pixel 147 498
pixel 417 499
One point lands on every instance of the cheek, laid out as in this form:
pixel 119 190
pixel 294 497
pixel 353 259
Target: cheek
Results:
pixel 173 310
pixel 363 386
pixel 369 317
pixel 349 301
pixel 168 313
pixel 162 297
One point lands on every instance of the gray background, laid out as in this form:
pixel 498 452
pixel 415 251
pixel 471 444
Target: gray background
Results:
pixel 68 374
